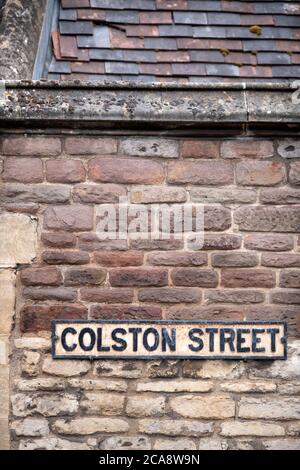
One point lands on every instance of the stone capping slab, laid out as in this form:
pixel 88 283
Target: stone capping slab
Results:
pixel 198 104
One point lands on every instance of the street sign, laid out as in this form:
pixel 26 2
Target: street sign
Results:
pixel 98 339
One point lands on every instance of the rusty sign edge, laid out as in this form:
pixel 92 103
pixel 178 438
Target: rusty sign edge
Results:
pixel 169 323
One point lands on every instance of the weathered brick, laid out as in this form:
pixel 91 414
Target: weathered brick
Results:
pixel 119 258
pixel 90 242
pixel 59 239
pixel 294 174
pixel 50 293
pixel 234 297
pixel 285 297
pixel 194 277
pixel 162 369
pixel 151 245
pixel 174 444
pixel 31 427
pixel 66 257
pixel 52 443
pixel 107 385
pixel 132 277
pixel 148 147
pixel 174 386
pixel 282 444
pixel 30 363
pixel 84 276
pixel 23 170
pixel 90 146
pixel 90 425
pixel 32 146
pixel 249 387
pixel 254 428
pixel 205 172
pixel 32 342
pixel 98 193
pixel 145 405
pixel 177 259
pixel 281 260
pixel 170 295
pixel 38 317
pixel 210 443
pixel 175 427
pixel 268 219
pixel 126 443
pixel 241 259
pixel 203 407
pixel 70 218
pixel 107 295
pixel 125 312
pixel 280 196
pixel 259 173
pixel 104 403
pixel 40 384
pixel 157 194
pixel 34 193
pixel 212 312
pixel 201 149
pixel 223 195
pixel 290 278
pixel 289 149
pixel 268 242
pixel 225 241
pixel 67 368
pixel 269 408
pixel 247 149
pixel 41 276
pixel 213 370
pixel 44 404
pixel 248 278
pixel 65 171
pixel 125 170
pixel 121 368
pixel 290 314
pixel 216 218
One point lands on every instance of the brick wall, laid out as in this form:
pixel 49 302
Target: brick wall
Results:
pixel 248 269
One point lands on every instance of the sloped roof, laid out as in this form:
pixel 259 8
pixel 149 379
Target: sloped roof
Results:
pixel 175 40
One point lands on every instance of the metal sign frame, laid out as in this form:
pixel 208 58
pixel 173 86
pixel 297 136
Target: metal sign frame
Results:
pixel 169 324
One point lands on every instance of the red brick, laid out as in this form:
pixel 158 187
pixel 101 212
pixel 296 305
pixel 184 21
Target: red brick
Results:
pixel 152 245
pixel 290 279
pixel 259 173
pixel 247 149
pixel 238 7
pixel 277 313
pixel 98 193
pixel 138 277
pixel 234 296
pixel 241 58
pixel 55 36
pixel 171 4
pixel 23 170
pixel 281 260
pixel 24 208
pixel 248 278
pixel 50 293
pixel 213 312
pixel 256 71
pixel 268 242
pixel 32 146
pixel 203 172
pixel 170 295
pixel 106 295
pixel 36 318
pixel 68 47
pixel 66 257
pixel 294 174
pixel 41 277
pixel 290 46
pixel 119 258
pixel 92 67
pixel 288 297
pixel 194 277
pixel 124 312
pixel 84 276
pixel 177 259
pixel 155 69
pixel 216 218
pixel 71 218
pixel 201 149
pixel 59 239
pixel 268 219
pixel 219 242
pixel 65 171
pixel 156 17
pixel 90 242
pixel 90 146
pixel 172 56
pixel 125 170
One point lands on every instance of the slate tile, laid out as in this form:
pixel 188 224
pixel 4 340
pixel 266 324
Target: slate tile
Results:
pixel 213 5
pixel 189 18
pixel 223 19
pixel 287 46
pixel 238 58
pixel 188 69
pixel 176 31
pixel 124 4
pixel 70 14
pixel 230 44
pixel 56 44
pixel 259 45
pixel 256 71
pixel 206 56
pixel 100 38
pixel 87 67
pixel 223 70
pixel 273 58
pixel 60 66
pixel 191 43
pixel 76 27
pixel 209 32
pixel 142 31
pixel 173 56
pixel 68 47
pixel 91 14
pixel 139 56
pixel 129 17
pixel 155 69
pixel 292 71
pixel 140 78
pixel 75 3
pixel 269 7
pixel 161 44
pixel 261 20
pixel 122 68
pixel 172 5
pixel 156 17
pixel 238 7
pixel 106 54
pixel 53 76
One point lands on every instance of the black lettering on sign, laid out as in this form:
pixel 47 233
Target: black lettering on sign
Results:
pixel 97 339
